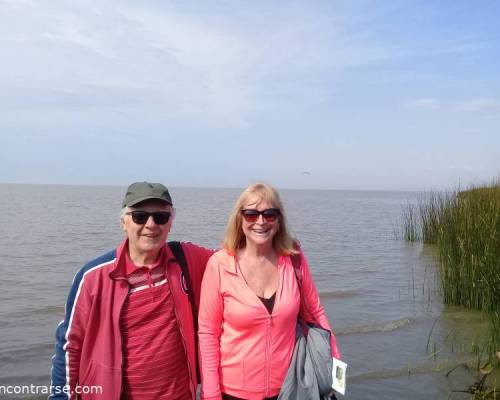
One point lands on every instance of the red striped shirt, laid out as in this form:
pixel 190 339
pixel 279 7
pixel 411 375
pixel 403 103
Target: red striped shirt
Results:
pixel 155 365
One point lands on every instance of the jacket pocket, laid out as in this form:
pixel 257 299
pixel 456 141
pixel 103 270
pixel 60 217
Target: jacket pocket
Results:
pixel 232 367
pixel 100 382
pixel 253 369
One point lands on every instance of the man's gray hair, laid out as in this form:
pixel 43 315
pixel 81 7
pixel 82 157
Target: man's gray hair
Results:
pixel 124 212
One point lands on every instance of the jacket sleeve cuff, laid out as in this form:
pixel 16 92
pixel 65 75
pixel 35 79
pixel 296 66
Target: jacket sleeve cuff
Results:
pixel 217 397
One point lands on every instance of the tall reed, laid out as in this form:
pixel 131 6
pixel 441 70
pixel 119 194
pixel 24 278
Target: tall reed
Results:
pixel 432 210
pixel 465 226
pixel 411 224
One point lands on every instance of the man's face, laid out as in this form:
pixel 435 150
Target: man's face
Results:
pixel 146 239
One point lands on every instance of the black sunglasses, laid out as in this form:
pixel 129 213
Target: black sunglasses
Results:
pixel 141 217
pixel 269 214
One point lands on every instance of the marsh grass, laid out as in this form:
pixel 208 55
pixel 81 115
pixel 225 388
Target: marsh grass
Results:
pixel 468 239
pixel 422 221
pixel 465 226
pixel 411 224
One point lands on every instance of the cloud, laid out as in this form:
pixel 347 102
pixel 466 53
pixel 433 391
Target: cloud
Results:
pixel 426 103
pixel 482 105
pixel 485 106
pixel 216 67
pixel 85 52
pixel 219 66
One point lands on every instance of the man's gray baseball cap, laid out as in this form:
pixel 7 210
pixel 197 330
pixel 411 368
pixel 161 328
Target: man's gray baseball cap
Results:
pixel 141 191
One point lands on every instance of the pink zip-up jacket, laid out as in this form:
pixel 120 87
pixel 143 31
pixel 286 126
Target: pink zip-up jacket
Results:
pixel 244 350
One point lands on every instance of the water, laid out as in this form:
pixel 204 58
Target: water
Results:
pixel 380 292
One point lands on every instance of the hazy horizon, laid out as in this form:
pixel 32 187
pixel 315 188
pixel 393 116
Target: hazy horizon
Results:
pixel 240 187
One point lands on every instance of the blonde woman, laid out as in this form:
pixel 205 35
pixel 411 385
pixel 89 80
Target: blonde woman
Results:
pixel 250 302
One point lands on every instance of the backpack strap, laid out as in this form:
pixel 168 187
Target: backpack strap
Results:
pixel 297 262
pixel 180 257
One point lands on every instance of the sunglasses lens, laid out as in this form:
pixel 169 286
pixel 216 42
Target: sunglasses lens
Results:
pixel 270 215
pixel 159 217
pixel 139 217
pixel 250 215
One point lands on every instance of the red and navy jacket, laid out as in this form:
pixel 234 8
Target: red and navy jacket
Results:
pixel 88 353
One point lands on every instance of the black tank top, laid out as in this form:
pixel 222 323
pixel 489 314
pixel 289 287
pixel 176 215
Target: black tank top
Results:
pixel 268 303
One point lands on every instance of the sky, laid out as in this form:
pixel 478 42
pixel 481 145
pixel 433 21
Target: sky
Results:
pixel 349 95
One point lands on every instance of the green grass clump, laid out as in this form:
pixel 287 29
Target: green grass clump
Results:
pixel 432 214
pixel 465 226
pixel 411 225
pixel 468 239
pixel 422 221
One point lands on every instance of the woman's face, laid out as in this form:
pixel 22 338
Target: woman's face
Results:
pixel 262 230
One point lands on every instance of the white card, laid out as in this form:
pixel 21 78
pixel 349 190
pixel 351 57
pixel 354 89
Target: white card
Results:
pixel 339 369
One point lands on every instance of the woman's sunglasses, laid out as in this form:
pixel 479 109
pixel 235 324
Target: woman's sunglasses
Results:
pixel 141 217
pixel 269 215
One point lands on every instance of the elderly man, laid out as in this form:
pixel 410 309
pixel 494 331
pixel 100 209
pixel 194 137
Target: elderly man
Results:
pixel 129 330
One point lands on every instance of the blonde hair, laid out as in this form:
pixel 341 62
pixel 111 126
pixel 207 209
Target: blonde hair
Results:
pixel 234 238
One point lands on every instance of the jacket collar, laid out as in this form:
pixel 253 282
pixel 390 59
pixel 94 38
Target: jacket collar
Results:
pixel 231 265
pixel 119 270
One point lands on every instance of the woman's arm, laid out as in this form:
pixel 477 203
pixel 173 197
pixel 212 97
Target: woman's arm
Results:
pixel 209 331
pixel 314 311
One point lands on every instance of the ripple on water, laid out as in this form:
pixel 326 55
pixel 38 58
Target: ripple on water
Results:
pixel 338 294
pixel 15 354
pixel 386 326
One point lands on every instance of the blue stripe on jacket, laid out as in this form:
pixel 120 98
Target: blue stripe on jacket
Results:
pixel 58 372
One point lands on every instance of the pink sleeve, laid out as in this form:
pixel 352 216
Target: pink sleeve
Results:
pixel 209 331
pixel 196 257
pixel 314 311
